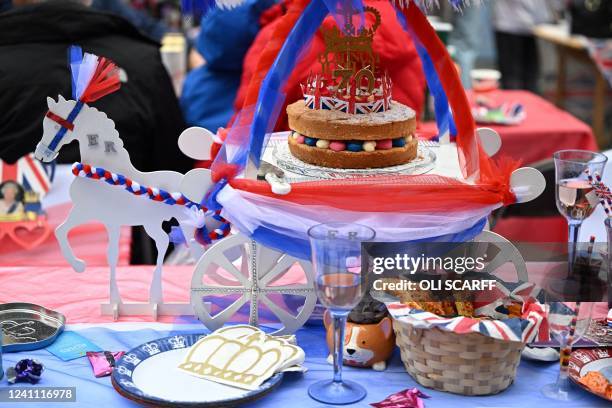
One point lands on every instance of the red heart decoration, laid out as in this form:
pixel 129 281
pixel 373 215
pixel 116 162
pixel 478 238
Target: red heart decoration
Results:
pixel 26 234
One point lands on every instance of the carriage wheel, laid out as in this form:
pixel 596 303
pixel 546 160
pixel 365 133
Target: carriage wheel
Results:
pixel 238 267
pixel 506 253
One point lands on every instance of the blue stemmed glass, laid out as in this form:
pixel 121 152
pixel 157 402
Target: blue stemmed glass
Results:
pixel 336 259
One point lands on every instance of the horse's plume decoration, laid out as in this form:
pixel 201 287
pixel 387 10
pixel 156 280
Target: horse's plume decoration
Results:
pixel 92 78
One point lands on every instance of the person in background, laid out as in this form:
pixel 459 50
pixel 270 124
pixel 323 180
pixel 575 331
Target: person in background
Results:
pixel 397 54
pixel 517 53
pixel 210 89
pixel 466 38
pixel 34 40
pixel 146 24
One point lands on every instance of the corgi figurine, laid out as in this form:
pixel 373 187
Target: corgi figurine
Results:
pixel 365 345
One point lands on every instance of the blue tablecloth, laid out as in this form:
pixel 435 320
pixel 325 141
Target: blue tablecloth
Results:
pixel 98 392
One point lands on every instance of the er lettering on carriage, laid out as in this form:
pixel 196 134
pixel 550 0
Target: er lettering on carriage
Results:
pixel 92 140
pixel 109 147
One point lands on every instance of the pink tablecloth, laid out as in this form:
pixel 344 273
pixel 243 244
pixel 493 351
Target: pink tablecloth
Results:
pixel 545 130
pixel 79 295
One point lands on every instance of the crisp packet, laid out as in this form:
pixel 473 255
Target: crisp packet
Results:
pixel 103 362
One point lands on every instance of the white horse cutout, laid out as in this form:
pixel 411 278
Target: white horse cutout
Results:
pixel 95 200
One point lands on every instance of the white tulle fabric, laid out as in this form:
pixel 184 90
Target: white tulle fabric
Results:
pixel 248 211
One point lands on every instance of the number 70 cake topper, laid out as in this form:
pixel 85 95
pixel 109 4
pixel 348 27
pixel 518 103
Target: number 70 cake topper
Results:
pixel 108 189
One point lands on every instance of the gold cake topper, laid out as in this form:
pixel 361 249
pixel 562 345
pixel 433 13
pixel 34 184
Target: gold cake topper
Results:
pixel 349 54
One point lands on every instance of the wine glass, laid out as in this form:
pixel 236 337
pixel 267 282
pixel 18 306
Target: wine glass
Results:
pixel 575 200
pixel 567 323
pixel 336 259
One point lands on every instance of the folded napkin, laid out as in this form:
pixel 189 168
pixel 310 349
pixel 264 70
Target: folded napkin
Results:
pixel 242 356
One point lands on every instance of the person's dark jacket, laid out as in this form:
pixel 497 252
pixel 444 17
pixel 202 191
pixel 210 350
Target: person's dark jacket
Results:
pixel 33 65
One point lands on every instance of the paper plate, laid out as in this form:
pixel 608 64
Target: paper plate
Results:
pixel 424 162
pixel 149 375
pixel 585 360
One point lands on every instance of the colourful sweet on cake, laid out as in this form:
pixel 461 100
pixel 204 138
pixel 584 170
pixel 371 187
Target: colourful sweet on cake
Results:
pixel 348 118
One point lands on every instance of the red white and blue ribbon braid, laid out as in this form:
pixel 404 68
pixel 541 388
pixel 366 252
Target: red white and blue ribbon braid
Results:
pixel 202 235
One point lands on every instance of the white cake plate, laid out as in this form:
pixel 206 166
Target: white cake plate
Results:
pixel 423 163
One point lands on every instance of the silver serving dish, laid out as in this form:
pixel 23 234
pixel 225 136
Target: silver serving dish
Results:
pixel 26 326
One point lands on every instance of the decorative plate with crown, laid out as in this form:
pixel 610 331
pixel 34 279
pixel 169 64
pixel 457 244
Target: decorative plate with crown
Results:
pixel 148 374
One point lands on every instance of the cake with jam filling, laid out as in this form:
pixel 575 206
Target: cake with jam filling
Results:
pixel 348 118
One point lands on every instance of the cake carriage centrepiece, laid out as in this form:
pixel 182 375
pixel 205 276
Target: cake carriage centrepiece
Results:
pixel 347 120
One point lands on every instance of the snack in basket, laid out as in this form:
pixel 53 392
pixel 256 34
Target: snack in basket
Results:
pixel 241 356
pixel 465 309
pixel 598 383
pixel 433 302
pixel 347 118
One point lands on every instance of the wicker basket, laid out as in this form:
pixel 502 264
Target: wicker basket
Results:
pixel 467 364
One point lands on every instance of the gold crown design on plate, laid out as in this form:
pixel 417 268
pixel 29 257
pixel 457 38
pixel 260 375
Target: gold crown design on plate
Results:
pixel 241 356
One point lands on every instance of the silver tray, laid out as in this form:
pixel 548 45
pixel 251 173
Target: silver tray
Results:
pixel 423 163
pixel 26 326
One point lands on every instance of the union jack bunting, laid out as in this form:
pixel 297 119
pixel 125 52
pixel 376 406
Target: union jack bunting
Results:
pixel 601 53
pixel 29 172
pixel 330 103
pixel 370 107
pixel 319 94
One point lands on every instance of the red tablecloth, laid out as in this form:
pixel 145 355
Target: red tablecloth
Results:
pixel 545 130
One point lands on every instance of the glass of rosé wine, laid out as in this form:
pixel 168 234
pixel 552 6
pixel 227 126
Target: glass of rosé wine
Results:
pixel 576 198
pixel 336 260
